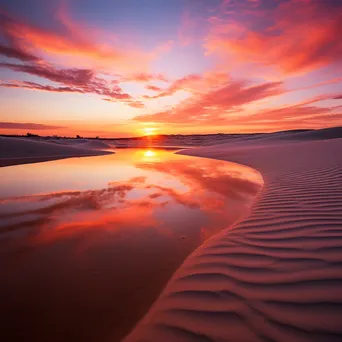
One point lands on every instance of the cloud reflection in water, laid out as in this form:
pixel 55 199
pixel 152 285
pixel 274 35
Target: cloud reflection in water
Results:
pixel 119 243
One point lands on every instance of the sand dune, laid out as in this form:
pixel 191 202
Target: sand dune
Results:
pixel 23 150
pixel 67 141
pixel 275 276
pixel 215 139
pixel 96 145
pixel 91 144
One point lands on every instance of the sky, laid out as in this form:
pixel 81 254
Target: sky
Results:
pixel 122 68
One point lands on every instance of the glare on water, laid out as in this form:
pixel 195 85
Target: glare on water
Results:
pixel 85 240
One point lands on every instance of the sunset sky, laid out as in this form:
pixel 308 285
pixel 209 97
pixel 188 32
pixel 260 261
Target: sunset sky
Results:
pixel 120 68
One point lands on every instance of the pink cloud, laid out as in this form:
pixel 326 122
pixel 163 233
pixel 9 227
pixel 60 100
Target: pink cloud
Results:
pixel 76 77
pixel 188 29
pixel 193 83
pixel 223 106
pixel 143 77
pixel 27 125
pixel 153 88
pixel 73 80
pixel 77 44
pixel 39 87
pixel 17 53
pixel 297 36
pixel 216 104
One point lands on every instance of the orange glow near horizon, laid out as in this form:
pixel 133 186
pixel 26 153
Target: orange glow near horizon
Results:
pixel 148 131
pixel 66 73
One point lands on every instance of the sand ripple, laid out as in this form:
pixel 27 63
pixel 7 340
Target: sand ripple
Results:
pixel 277 276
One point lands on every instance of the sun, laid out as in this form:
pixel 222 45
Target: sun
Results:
pixel 149 130
pixel 149 153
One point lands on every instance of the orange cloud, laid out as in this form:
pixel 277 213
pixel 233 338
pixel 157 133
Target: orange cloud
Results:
pixel 193 83
pixel 215 105
pixel 143 77
pixel 224 106
pixel 153 88
pixel 27 125
pixel 73 81
pixel 39 87
pixel 76 44
pixel 297 36
pixel 25 42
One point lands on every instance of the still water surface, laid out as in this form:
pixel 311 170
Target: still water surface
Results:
pixel 87 244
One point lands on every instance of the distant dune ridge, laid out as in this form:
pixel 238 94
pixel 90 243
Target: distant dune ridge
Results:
pixel 214 139
pixel 24 150
pixel 277 275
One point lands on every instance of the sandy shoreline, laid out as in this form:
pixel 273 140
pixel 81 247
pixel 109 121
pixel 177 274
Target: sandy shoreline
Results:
pixel 133 247
pixel 277 275
pixel 16 151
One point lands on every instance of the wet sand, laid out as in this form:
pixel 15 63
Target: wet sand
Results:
pixel 275 276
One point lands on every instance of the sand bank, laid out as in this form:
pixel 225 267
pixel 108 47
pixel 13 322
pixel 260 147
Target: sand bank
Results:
pixel 277 275
pixel 14 151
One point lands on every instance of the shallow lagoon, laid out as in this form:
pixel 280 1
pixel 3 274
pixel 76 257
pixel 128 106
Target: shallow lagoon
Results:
pixel 88 243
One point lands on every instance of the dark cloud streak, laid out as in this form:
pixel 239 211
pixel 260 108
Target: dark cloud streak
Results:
pixel 17 53
pixel 73 80
pixel 27 125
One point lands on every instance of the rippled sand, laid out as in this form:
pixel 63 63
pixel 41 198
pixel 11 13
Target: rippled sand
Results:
pixel 277 275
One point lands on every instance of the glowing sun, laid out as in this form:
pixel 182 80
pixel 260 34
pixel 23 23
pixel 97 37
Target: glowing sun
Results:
pixel 149 130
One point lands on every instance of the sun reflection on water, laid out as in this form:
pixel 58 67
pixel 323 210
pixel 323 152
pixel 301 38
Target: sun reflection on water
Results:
pixel 149 153
pixel 130 219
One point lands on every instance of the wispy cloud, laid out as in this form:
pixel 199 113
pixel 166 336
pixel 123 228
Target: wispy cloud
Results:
pixel 27 42
pixel 296 36
pixel 193 83
pixel 75 44
pixel 73 80
pixel 17 53
pixel 27 125
pixel 143 77
pixel 39 87
pixel 215 105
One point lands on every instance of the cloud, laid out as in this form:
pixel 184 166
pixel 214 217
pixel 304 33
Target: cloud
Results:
pixel 31 126
pixel 215 105
pixel 78 44
pixel 223 106
pixel 17 53
pixel 153 88
pixel 74 80
pixel 297 36
pixel 320 84
pixel 189 27
pixel 76 77
pixel 143 77
pixel 301 115
pixel 26 42
pixel 136 104
pixel 193 83
pixel 131 103
pixel 39 87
